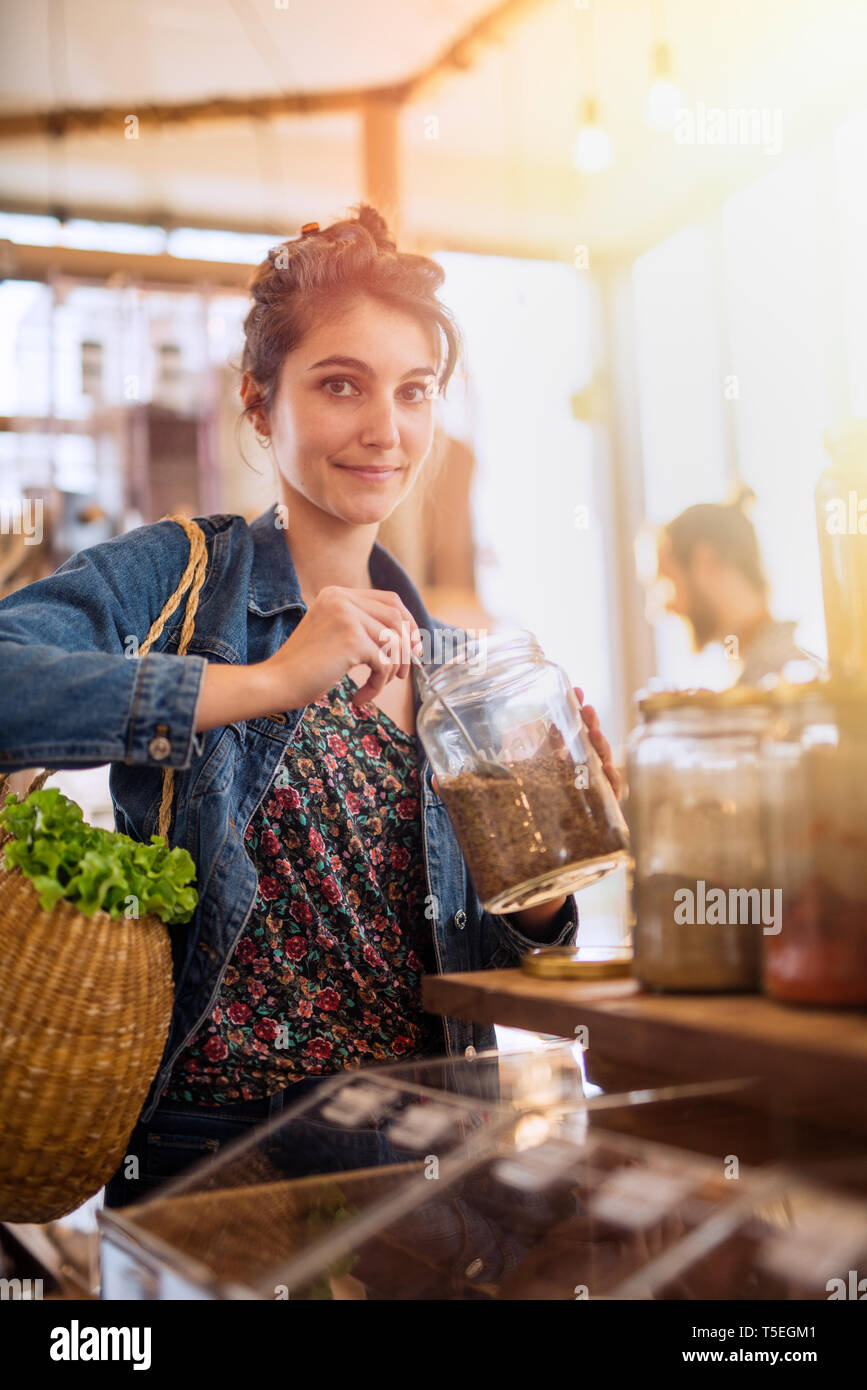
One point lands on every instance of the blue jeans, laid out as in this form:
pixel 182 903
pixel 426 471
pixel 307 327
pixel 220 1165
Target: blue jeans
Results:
pixel 179 1134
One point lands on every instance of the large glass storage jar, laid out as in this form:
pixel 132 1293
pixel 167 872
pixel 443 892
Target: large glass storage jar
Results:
pixel 842 529
pixel 555 824
pixel 816 791
pixel 700 892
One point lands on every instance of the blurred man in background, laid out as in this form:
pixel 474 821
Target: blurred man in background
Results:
pixel 710 561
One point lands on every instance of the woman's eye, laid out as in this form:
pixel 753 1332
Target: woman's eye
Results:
pixel 420 392
pixel 338 381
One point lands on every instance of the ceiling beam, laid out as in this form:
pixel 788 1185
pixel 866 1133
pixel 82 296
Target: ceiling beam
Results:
pixel 459 55
pixel 92 120
pixel 19 262
pixel 153 216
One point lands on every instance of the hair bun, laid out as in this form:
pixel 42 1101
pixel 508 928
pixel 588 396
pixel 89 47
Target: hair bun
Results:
pixel 743 498
pixel 373 221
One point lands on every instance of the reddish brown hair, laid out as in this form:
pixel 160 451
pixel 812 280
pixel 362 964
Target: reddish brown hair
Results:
pixel 319 273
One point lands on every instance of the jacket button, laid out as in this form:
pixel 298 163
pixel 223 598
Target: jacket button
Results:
pixel 475 1268
pixel 159 747
pixel 460 919
pixel 470 1053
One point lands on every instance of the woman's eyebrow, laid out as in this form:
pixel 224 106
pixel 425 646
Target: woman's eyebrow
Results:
pixel 356 365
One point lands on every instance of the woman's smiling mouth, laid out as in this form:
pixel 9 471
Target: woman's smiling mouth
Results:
pixel 370 475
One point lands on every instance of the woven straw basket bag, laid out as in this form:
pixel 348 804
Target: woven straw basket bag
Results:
pixel 85 1006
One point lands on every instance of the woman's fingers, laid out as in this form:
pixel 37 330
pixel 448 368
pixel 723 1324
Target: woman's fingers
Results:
pixel 590 717
pixel 599 741
pixel 383 656
pixel 392 627
pixel 613 776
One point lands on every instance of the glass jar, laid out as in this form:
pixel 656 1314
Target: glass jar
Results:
pixel 555 824
pixel 816 790
pixel 693 805
pixel 841 516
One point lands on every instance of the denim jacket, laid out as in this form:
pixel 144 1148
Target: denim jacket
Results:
pixel 74 693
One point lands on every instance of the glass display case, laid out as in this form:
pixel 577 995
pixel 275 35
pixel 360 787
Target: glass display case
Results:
pixel 783 1239
pixel 500 1176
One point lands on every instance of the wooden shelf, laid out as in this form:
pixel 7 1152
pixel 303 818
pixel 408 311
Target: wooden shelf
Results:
pixel 815 1059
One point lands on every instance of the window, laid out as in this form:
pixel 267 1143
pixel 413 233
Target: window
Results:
pixel 539 512
pixel 751 335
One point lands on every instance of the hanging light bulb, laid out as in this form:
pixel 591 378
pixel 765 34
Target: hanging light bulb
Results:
pixel 663 99
pixel 592 150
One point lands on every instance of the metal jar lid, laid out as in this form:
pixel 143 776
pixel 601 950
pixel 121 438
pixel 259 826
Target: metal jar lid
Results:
pixel 733 697
pixel 843 690
pixel 578 963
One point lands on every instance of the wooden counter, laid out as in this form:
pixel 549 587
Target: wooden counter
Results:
pixel 815 1060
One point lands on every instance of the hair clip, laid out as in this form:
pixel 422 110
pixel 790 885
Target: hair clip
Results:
pixel 309 227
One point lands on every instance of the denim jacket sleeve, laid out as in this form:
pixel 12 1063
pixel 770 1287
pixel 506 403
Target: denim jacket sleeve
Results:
pixel 513 944
pixel 72 693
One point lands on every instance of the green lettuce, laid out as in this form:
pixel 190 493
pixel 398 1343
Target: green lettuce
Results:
pixel 96 869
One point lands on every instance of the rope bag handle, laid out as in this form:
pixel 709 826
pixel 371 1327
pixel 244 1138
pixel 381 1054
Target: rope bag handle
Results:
pixel 192 579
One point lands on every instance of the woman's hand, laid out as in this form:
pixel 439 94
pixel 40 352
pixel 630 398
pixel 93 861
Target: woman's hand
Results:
pixel 341 629
pixel 599 741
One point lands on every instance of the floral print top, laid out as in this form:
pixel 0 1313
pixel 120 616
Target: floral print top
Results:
pixel 327 972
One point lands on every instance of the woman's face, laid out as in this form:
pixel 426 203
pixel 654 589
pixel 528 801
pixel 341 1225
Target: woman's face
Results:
pixel 351 436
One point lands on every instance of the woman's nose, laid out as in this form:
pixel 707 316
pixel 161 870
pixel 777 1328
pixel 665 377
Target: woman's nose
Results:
pixel 380 426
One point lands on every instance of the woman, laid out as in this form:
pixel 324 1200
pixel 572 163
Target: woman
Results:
pixel 329 878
